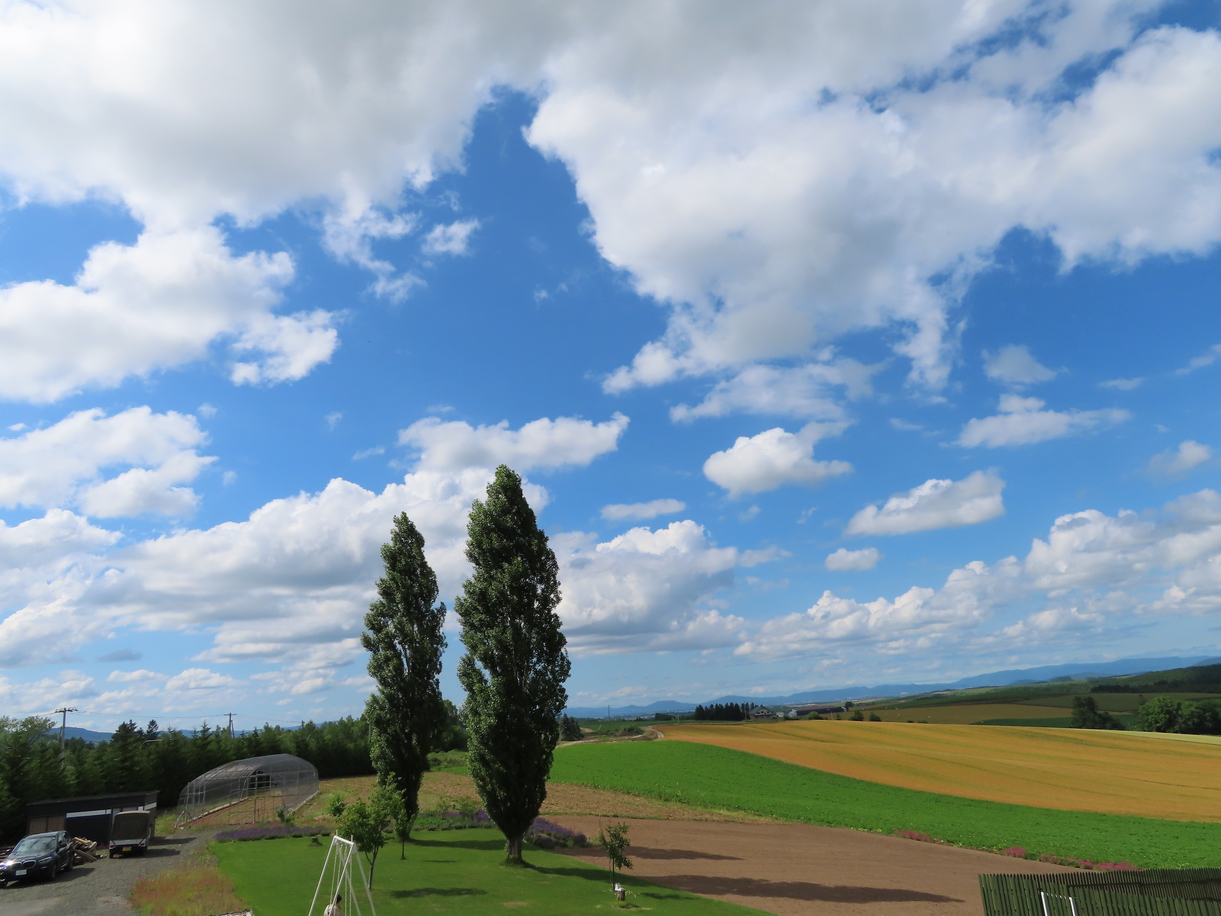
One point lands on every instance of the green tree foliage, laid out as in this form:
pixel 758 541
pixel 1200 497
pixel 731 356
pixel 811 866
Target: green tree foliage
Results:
pixel 135 759
pixel 570 729
pixel 722 712
pixel 1182 717
pixel 405 641
pixel 516 662
pixel 1086 714
pixel 453 735
pixel 365 823
pixel 613 838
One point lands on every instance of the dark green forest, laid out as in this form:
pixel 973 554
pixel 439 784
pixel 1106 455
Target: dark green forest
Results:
pixel 136 758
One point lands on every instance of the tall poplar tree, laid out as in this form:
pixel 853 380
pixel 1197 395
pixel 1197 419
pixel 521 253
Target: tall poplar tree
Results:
pixel 405 641
pixel 516 664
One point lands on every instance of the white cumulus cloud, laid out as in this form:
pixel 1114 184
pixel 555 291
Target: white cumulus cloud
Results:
pixel 802 391
pixel 1023 421
pixel 451 239
pixel 1013 365
pixel 157 304
pixel 1181 461
pixel 845 560
pixel 67 463
pixel 773 459
pixel 647 590
pixel 640 511
pixel 932 505
pixel 542 443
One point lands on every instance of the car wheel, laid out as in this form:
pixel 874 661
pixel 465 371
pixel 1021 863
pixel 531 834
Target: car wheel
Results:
pixel 54 871
pixel 71 863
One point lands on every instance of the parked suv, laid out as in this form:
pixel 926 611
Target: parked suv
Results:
pixel 39 854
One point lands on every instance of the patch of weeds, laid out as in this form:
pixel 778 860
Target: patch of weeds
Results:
pixel 196 889
pixel 447 762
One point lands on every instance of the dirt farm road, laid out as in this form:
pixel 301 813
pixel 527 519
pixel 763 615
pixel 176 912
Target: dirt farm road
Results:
pixel 799 869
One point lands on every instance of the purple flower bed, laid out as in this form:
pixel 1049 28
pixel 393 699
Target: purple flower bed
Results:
pixel 268 832
pixel 546 835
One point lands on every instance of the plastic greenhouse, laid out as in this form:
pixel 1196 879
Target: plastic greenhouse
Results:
pixel 248 791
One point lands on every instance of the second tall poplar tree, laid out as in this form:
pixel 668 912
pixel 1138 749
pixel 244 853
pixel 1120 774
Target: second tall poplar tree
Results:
pixel 405 641
pixel 516 662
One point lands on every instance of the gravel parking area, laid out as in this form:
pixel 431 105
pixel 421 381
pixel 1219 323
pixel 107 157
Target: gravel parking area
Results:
pixel 100 888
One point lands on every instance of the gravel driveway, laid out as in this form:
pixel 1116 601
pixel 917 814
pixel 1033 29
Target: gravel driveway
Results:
pixel 99 888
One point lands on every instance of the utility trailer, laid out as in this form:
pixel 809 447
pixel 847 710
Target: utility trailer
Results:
pixel 132 831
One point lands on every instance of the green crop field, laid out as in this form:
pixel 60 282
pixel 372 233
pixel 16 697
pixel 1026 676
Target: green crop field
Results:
pixel 457 871
pixel 717 777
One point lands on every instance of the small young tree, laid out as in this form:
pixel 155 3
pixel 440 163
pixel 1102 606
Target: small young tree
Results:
pixel 614 839
pixel 516 663
pixel 364 823
pixel 405 642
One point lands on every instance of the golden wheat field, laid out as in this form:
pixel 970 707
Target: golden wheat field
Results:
pixel 1162 776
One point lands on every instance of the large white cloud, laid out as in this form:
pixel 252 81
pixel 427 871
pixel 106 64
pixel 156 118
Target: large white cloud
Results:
pixel 157 304
pixel 932 505
pixel 1023 421
pixel 802 391
pixel 1093 571
pixel 291 583
pixel 920 618
pixel 781 182
pixel 542 443
pixel 776 179
pixel 67 463
pixel 773 458
pixel 647 590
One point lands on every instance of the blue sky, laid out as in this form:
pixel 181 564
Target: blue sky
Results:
pixel 836 344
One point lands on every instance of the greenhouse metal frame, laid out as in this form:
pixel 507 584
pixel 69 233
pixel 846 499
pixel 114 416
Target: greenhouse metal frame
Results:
pixel 248 791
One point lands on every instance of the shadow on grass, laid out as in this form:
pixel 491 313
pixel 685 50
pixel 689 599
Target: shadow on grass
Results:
pixel 490 844
pixel 798 890
pixel 587 873
pixel 438 892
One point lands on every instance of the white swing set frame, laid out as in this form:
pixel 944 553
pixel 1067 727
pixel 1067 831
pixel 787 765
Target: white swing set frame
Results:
pixel 339 859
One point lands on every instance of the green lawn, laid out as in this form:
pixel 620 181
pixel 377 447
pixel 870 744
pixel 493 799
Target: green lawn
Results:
pixel 719 778
pixel 456 871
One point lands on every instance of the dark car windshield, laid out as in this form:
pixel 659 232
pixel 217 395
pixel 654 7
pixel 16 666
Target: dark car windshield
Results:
pixel 34 844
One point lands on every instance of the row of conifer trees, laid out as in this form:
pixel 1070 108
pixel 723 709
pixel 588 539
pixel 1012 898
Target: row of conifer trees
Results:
pixel 722 712
pixel 136 759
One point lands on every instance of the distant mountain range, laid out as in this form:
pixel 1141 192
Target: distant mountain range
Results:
pixel 90 737
pixel 1007 678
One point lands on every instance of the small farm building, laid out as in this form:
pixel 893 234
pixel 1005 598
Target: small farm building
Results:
pixel 248 791
pixel 87 817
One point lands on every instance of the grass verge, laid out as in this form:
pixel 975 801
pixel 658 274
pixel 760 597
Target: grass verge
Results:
pixel 458 871
pixel 716 777
pixel 198 889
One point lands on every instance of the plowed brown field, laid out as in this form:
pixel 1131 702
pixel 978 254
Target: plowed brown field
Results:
pixel 1163 776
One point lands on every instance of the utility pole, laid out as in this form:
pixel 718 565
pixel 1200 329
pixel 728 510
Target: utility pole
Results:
pixel 64 710
pixel 230 715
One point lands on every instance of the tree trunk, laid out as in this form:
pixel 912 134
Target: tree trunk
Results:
pixel 513 849
pixel 372 865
